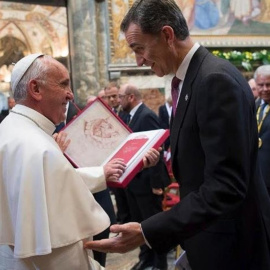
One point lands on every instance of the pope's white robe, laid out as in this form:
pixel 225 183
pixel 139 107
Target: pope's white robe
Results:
pixel 45 203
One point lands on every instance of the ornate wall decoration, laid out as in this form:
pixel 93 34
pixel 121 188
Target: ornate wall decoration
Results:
pixel 27 28
pixel 228 23
pixel 120 52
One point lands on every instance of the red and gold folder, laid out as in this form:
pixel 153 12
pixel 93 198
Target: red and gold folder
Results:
pixel 98 135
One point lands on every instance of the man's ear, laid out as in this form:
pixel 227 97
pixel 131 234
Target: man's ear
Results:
pixel 168 34
pixel 34 90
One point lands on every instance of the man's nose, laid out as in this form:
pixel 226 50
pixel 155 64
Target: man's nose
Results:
pixel 266 87
pixel 70 95
pixel 140 60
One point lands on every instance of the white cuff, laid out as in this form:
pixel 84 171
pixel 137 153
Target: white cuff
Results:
pixel 146 242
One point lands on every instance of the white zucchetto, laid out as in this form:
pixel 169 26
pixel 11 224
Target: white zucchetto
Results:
pixel 20 69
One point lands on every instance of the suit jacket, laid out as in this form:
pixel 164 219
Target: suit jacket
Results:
pixel 164 122
pixel 164 117
pixel 156 177
pixel 72 112
pixel 264 150
pixel 2 117
pixel 214 159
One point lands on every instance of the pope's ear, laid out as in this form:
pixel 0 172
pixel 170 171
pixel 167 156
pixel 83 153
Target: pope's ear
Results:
pixel 34 90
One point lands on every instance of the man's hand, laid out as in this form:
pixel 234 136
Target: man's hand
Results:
pixel 151 158
pixel 157 191
pixel 114 169
pixel 61 139
pixel 129 236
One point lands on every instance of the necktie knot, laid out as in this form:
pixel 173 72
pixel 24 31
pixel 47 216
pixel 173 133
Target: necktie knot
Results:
pixel 175 93
pixel 175 82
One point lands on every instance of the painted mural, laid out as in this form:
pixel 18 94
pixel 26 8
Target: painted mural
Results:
pixel 226 17
pixel 25 29
pixel 214 23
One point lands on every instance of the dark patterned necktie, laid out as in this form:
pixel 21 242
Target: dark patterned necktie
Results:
pixel 128 119
pixel 175 93
pixel 263 105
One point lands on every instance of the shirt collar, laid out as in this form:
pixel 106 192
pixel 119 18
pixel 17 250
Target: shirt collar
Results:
pixel 168 107
pixel 39 119
pixel 263 101
pixel 182 70
pixel 133 111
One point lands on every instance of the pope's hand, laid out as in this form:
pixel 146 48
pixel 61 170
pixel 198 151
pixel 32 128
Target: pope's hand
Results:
pixel 62 141
pixel 128 237
pixel 114 169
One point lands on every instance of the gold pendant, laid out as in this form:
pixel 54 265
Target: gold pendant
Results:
pixel 260 143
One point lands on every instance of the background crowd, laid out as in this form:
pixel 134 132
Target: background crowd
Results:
pixel 218 153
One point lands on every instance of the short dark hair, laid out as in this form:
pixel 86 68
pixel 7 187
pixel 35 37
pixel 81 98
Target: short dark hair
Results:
pixel 152 15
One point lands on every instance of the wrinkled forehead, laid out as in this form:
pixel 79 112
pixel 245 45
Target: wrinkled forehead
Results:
pixel 134 34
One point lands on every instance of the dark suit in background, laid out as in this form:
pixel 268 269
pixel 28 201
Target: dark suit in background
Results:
pixel 72 111
pixel 143 203
pixel 2 117
pixel 164 119
pixel 262 79
pixel 4 113
pixel 264 151
pixel 123 212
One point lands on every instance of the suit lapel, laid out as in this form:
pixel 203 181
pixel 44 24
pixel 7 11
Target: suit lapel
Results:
pixel 136 117
pixel 185 96
pixel 258 103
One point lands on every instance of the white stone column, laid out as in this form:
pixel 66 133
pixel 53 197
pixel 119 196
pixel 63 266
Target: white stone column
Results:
pixel 87 38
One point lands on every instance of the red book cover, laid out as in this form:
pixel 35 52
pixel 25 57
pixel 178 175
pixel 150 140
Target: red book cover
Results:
pixel 155 139
pixel 130 148
pixel 98 135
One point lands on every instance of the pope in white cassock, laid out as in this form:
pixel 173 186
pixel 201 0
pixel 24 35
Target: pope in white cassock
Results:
pixel 46 208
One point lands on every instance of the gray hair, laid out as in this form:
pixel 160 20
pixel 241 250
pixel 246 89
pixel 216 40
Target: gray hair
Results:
pixel 262 70
pixel 38 70
pixel 152 15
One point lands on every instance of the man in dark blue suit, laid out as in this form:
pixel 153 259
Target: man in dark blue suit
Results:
pixel 223 217
pixel 262 78
pixel 145 191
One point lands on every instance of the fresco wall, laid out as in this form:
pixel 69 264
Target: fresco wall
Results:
pixel 26 29
pixel 86 37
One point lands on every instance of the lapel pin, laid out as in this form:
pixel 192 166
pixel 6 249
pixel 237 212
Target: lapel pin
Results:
pixel 186 97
